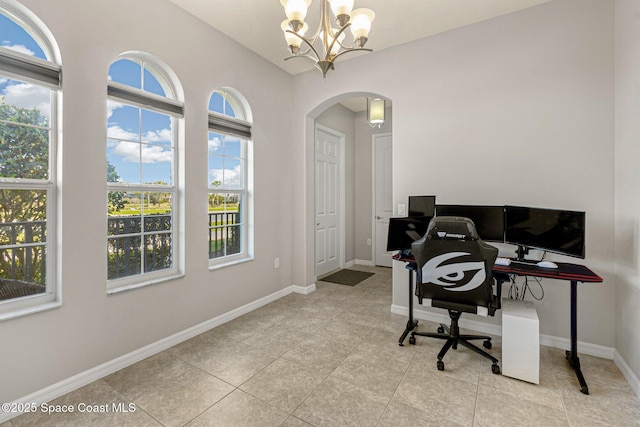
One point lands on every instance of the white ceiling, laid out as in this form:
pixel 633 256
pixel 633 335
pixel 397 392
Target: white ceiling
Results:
pixel 256 23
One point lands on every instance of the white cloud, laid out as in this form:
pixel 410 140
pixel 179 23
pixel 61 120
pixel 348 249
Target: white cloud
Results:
pixel 27 95
pixel 231 178
pixel 214 143
pixel 20 48
pixel 133 152
pixel 162 135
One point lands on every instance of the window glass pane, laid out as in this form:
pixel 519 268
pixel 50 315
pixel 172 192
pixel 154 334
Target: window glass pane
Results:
pixel 219 104
pixel 123 161
pixel 152 85
pixel 23 234
pixel 215 143
pixel 232 173
pixel 14 37
pixel 24 151
pixel 156 128
pixel 124 256
pixel 24 102
pixel 157 203
pixel 123 122
pixel 232 147
pixel 127 72
pixel 157 252
pixel 225 225
pixel 156 165
pixel 216 169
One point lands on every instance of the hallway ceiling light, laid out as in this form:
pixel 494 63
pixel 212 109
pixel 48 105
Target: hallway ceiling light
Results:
pixel 330 39
pixel 375 112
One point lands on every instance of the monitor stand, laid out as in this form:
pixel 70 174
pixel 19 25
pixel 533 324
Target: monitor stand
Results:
pixel 521 252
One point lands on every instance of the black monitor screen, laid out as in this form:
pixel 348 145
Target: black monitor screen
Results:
pixel 551 230
pixel 489 220
pixel 404 231
pixel 422 205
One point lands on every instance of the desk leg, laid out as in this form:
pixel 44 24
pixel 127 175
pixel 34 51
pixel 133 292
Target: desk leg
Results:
pixel 411 324
pixel 572 355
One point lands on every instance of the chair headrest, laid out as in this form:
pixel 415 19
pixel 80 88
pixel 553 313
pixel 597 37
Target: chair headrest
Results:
pixel 452 228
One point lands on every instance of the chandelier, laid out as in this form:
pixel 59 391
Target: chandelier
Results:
pixel 331 39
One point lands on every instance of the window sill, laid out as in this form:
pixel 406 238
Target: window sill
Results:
pixel 132 286
pixel 26 311
pixel 229 263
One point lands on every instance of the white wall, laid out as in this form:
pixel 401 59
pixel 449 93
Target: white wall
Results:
pixel 92 328
pixel 627 162
pixel 514 110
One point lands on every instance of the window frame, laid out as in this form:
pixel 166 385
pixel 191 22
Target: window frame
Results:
pixel 48 75
pixel 173 107
pixel 241 128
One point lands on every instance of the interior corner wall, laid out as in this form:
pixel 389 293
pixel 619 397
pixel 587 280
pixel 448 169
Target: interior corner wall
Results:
pixel 627 167
pixel 518 110
pixel 92 328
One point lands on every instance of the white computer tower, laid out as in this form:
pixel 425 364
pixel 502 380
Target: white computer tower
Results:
pixel 520 341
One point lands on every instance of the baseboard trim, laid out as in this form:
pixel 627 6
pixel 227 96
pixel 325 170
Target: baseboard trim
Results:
pixel 304 290
pixel 487 328
pixel 364 262
pixel 630 376
pixel 68 385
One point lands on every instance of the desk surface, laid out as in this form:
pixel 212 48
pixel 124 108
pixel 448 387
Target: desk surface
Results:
pixel 565 271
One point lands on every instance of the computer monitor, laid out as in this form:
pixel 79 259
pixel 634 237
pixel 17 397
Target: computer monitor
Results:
pixel 552 230
pixel 422 205
pixel 489 220
pixel 404 231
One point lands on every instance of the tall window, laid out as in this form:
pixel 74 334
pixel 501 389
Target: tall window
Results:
pixel 29 84
pixel 230 204
pixel 142 171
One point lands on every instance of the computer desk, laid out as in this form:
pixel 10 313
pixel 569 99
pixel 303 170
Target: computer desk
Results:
pixel 572 273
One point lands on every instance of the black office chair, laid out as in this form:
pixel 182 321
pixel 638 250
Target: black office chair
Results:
pixel 454 273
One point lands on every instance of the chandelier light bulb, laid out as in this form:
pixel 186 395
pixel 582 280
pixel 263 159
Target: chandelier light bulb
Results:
pixel 361 20
pixel 296 11
pixel 341 10
pixel 293 41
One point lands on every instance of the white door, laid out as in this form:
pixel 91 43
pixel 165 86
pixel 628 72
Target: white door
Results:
pixel 383 198
pixel 328 200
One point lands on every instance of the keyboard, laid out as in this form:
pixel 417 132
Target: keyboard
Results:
pixel 503 261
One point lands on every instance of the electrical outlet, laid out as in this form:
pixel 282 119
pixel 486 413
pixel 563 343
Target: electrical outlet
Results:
pixel 276 263
pixel 368 242
pixel 402 209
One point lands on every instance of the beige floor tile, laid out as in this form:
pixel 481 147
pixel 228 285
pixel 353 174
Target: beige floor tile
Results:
pixel 240 409
pixel 96 404
pixel 437 394
pixel 496 408
pixel 337 403
pixel 284 384
pixel 398 414
pixel 320 353
pixel 169 389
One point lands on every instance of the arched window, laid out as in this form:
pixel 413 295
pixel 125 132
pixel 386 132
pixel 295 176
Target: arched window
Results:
pixel 143 114
pixel 229 179
pixel 29 84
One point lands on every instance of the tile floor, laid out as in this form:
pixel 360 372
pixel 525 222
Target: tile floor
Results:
pixel 332 358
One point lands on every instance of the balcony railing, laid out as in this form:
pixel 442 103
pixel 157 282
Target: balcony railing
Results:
pixel 22 251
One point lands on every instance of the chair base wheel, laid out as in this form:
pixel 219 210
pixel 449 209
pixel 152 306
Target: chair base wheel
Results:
pixel 440 365
pixel 487 344
pixel 412 340
pixel 495 369
pixel 440 330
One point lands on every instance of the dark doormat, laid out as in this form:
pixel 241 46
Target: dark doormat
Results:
pixel 347 277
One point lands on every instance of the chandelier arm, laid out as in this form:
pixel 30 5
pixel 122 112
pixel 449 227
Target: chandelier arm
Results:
pixel 335 39
pixel 309 43
pixel 353 50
